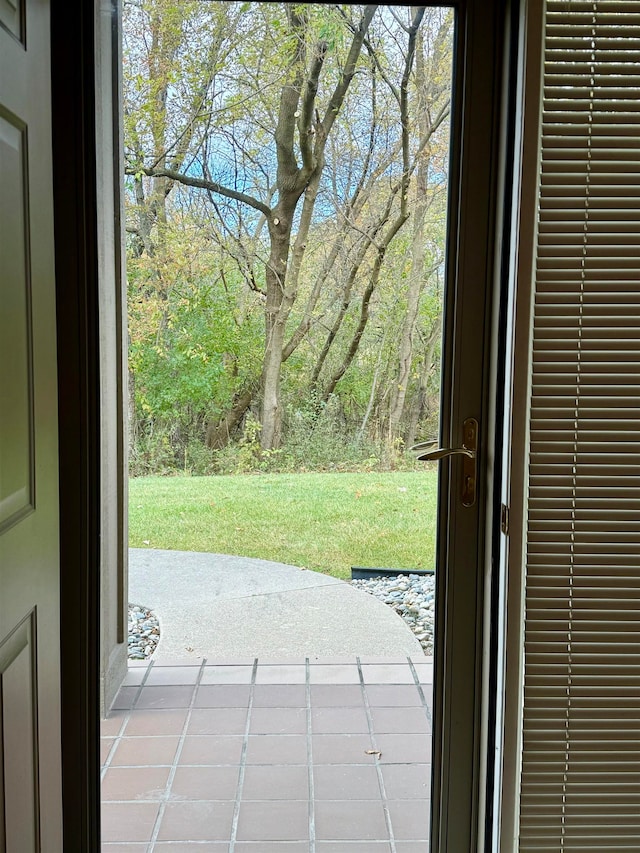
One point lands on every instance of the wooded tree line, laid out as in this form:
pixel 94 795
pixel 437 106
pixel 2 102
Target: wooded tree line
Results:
pixel 286 187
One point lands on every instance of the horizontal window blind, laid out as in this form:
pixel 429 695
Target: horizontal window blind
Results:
pixel 581 737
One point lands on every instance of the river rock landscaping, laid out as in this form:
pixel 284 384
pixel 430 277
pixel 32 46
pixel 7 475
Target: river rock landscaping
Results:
pixel 411 596
pixel 144 632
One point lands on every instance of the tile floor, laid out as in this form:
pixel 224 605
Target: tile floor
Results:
pixel 309 756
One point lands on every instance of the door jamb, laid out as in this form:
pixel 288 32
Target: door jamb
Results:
pixel 76 258
pixel 459 774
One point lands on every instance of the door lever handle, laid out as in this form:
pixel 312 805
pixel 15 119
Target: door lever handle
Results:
pixel 469 450
pixel 443 452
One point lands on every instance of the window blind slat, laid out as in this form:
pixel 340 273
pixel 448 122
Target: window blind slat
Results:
pixel 580 785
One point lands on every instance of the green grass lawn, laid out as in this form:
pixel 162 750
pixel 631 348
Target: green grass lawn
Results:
pixel 325 522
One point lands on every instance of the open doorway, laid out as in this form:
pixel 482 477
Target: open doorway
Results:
pixel 286 187
pixel 244 261
pixel 286 267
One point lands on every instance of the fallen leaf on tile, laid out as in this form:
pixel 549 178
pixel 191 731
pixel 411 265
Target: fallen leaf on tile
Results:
pixel 373 752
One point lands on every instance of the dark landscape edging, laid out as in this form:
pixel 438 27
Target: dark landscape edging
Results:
pixel 361 572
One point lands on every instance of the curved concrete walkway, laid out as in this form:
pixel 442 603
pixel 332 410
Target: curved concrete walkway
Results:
pixel 218 606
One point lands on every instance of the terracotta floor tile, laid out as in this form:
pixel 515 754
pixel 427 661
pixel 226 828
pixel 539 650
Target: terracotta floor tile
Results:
pixel 144 751
pixel 347 721
pixel 336 696
pixel 194 847
pixel 387 674
pixel 217 721
pixel 201 821
pixel 407 782
pixel 393 695
pixel 274 810
pixel 353 847
pixel 425 673
pixel 276 749
pixel 404 749
pixel 113 724
pixel 274 821
pixel 211 749
pixel 288 782
pixel 227 675
pixel 169 660
pixel 334 674
pixel 272 847
pixel 135 676
pixel 279 696
pixel 345 781
pixel 341 749
pixel 165 721
pixel 400 721
pixel 125 698
pixel 291 674
pixel 356 820
pixel 205 783
pixel 410 820
pixel 172 675
pixel 135 783
pixel 128 821
pixel 223 696
pixel 278 721
pixel 165 696
pixel 105 748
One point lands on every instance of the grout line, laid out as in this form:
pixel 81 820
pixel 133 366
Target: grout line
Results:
pixel 125 722
pixel 176 760
pixel 114 746
pixel 312 793
pixel 383 792
pixel 423 699
pixel 243 760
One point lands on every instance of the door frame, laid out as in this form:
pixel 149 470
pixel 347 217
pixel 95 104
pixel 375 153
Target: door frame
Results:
pixel 459 734
pixel 469 538
pixel 76 258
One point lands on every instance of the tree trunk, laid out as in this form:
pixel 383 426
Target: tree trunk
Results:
pixel 276 314
pixel 414 292
pixel 219 433
pixel 133 421
pixel 416 276
pixel 419 402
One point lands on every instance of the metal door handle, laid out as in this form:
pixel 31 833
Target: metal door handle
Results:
pixel 469 450
pixel 443 452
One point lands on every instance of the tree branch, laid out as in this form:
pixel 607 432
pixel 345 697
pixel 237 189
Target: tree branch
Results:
pixel 306 111
pixel 289 100
pixel 203 184
pixel 346 77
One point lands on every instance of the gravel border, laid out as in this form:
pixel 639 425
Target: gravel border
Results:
pixel 144 632
pixel 411 596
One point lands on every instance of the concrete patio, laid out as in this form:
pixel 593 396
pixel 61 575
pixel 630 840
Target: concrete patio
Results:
pixel 220 606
